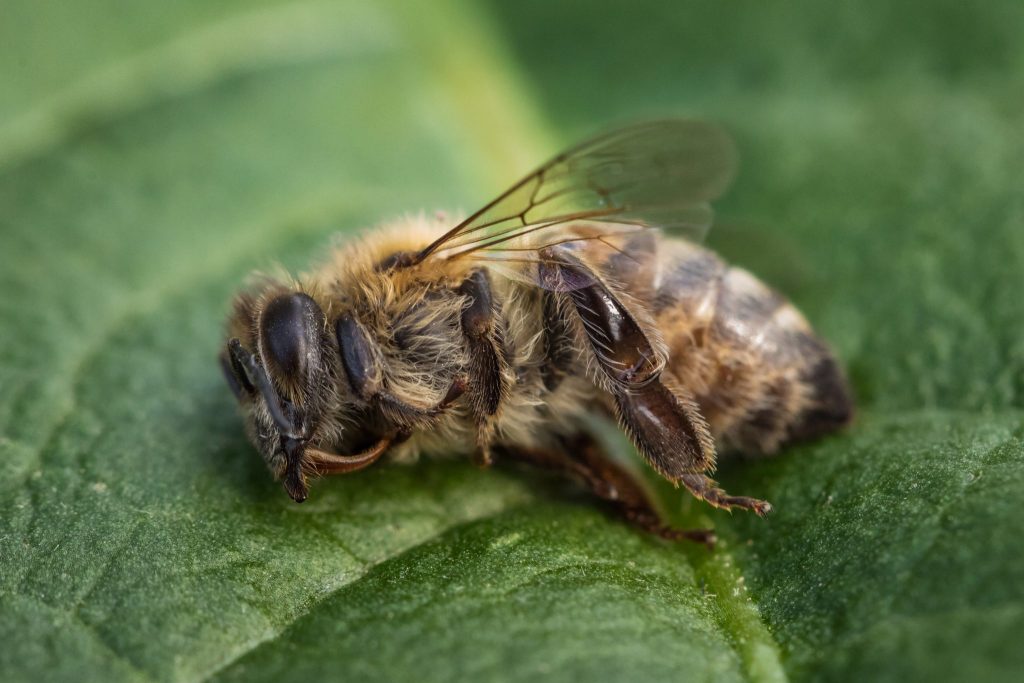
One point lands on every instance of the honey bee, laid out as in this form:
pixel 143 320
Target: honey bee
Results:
pixel 579 290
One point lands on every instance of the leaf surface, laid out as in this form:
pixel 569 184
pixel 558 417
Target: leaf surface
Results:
pixel 148 163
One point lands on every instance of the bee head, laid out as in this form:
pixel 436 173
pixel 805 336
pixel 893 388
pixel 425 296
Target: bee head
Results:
pixel 303 388
pixel 280 374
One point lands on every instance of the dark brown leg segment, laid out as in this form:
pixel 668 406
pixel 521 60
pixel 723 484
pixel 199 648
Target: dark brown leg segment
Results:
pixel 558 343
pixel 487 362
pixel 610 482
pixel 664 423
pixel 705 488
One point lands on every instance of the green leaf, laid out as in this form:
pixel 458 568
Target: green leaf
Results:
pixel 149 158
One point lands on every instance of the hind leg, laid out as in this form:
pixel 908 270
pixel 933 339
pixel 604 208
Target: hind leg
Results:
pixel 582 459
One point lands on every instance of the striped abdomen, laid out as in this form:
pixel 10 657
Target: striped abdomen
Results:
pixel 760 374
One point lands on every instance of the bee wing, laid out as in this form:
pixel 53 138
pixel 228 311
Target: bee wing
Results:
pixel 660 174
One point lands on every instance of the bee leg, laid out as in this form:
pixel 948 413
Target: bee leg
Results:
pixel 705 488
pixel 559 349
pixel 664 423
pixel 483 456
pixel 487 360
pixel 360 359
pixel 631 498
pixel 650 522
pixel 582 460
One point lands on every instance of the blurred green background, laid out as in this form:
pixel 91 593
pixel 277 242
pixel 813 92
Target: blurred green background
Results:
pixel 152 154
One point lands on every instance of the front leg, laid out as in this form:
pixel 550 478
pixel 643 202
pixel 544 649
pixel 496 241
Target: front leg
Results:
pixel 663 422
pixel 361 361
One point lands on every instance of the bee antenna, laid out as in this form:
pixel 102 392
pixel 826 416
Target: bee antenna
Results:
pixel 258 376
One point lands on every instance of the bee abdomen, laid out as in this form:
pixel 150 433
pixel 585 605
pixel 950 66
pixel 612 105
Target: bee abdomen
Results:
pixel 831 406
pixel 761 376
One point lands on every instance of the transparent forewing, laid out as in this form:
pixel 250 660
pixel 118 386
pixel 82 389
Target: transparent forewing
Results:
pixel 654 175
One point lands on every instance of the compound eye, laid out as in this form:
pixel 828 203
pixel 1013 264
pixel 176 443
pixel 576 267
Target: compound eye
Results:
pixel 289 330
